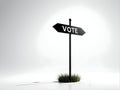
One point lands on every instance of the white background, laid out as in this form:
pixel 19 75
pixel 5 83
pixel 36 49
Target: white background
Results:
pixel 32 51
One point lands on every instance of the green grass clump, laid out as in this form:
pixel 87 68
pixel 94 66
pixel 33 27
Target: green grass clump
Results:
pixel 65 78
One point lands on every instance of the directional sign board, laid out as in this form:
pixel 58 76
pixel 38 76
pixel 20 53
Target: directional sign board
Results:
pixel 69 29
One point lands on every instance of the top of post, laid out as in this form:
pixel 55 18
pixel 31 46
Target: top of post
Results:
pixel 70 21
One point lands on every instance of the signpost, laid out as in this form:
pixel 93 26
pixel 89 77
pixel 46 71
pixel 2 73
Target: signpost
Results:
pixel 69 30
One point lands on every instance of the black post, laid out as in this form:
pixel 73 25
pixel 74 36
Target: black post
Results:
pixel 70 52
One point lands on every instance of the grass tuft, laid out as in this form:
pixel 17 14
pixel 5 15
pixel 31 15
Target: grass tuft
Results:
pixel 65 78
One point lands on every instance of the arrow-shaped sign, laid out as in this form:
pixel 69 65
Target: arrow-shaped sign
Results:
pixel 69 29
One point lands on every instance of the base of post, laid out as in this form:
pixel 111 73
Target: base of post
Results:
pixel 64 78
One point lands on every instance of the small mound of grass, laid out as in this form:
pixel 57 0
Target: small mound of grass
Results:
pixel 65 78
